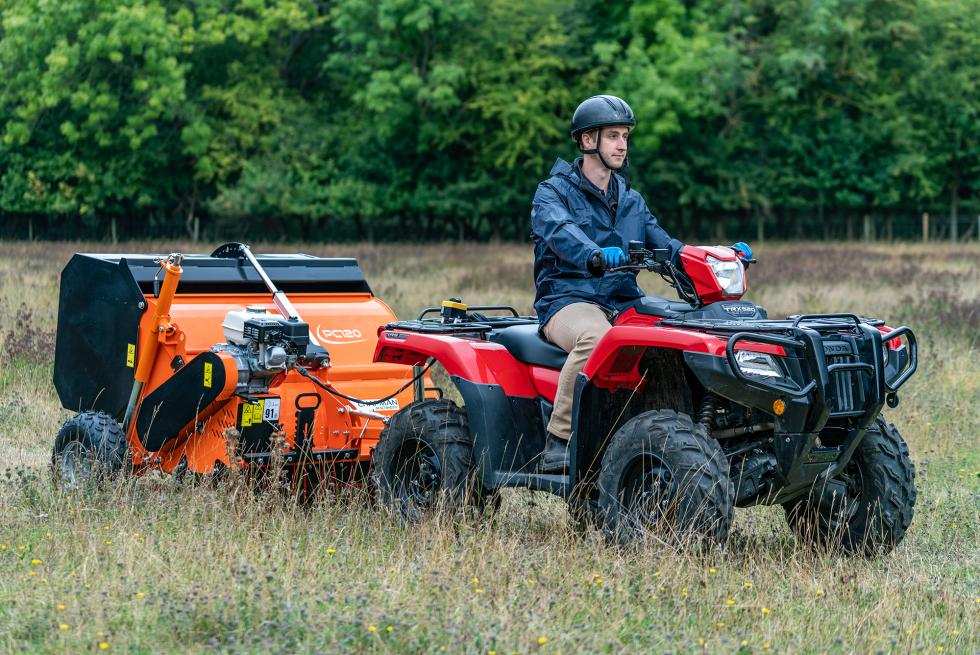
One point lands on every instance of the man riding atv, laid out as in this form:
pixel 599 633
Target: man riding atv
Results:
pixel 582 218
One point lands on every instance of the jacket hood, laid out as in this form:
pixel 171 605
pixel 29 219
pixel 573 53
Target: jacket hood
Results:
pixel 563 169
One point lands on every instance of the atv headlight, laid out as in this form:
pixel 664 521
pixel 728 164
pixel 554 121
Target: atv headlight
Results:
pixel 730 275
pixel 757 364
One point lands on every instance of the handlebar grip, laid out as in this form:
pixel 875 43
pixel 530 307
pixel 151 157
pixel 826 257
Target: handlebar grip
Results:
pixel 595 261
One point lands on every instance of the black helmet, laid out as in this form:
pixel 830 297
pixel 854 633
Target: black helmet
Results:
pixel 600 111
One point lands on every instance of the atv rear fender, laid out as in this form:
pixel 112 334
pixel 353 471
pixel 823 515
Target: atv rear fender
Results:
pixel 482 362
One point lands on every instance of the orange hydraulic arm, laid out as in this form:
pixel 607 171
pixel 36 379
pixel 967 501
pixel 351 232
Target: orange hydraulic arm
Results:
pixel 161 325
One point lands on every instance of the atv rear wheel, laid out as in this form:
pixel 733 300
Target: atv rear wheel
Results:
pixel 663 475
pixel 89 448
pixel 868 507
pixel 424 462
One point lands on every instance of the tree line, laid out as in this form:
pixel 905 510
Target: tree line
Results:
pixel 435 119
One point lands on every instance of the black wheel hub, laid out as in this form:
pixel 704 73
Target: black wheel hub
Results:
pixel 418 478
pixel 647 492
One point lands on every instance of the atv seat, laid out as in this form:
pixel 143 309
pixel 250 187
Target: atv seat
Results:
pixel 527 345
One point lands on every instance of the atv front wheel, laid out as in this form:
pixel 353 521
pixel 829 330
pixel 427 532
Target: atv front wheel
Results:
pixel 868 507
pixel 663 475
pixel 89 448
pixel 424 461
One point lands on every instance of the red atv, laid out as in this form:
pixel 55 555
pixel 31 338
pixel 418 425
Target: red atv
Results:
pixel 685 410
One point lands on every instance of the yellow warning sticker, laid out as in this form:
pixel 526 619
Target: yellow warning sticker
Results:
pixel 252 414
pixel 130 355
pixel 208 372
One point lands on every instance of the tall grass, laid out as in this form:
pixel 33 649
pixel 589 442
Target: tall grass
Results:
pixel 155 565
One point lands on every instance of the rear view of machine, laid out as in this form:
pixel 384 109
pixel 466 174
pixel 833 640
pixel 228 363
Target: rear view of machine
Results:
pixel 200 363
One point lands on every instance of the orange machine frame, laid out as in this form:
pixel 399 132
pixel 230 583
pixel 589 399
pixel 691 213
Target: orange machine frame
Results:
pixel 178 328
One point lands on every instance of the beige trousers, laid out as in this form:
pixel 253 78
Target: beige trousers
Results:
pixel 576 329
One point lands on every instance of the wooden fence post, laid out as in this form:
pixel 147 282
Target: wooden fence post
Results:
pixel 866 231
pixel 30 228
pixel 112 231
pixel 925 227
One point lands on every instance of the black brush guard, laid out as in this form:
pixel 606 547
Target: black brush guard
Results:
pixel 835 373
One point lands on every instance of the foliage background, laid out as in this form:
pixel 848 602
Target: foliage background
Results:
pixel 435 119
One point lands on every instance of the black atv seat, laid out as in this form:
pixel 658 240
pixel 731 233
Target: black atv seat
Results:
pixel 528 346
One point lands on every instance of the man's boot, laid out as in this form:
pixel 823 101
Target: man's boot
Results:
pixel 555 457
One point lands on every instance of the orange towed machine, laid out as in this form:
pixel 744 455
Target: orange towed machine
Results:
pixel 200 363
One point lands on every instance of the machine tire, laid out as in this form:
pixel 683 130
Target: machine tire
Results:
pixel 89 447
pixel 690 499
pixel 435 434
pixel 882 477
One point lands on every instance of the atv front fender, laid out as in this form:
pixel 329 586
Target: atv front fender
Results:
pixel 613 363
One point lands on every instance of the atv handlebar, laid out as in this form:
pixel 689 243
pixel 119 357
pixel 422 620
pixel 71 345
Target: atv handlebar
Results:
pixel 657 261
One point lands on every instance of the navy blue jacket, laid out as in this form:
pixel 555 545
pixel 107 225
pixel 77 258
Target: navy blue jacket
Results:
pixel 570 221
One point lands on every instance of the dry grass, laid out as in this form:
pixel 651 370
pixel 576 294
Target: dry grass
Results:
pixel 152 566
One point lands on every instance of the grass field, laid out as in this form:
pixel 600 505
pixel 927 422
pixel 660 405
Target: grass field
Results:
pixel 150 566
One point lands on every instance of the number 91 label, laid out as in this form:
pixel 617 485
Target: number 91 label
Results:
pixel 270 411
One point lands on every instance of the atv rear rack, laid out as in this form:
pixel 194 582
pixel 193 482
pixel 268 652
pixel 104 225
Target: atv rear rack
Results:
pixel 477 324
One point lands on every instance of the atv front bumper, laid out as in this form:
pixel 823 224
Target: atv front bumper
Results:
pixel 837 373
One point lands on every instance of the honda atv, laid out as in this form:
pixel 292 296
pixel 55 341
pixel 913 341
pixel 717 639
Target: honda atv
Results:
pixel 685 410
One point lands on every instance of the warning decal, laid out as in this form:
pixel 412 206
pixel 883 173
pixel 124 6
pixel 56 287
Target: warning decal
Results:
pixel 130 355
pixel 252 414
pixel 208 374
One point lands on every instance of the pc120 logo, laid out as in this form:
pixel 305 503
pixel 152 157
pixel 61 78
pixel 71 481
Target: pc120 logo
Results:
pixel 338 336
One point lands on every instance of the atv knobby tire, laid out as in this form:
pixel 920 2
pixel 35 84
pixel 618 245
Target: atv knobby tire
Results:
pixel 424 462
pixel 868 507
pixel 662 476
pixel 89 448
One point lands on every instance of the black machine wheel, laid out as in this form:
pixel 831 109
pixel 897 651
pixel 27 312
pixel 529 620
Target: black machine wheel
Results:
pixel 89 447
pixel 424 461
pixel 868 507
pixel 662 474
